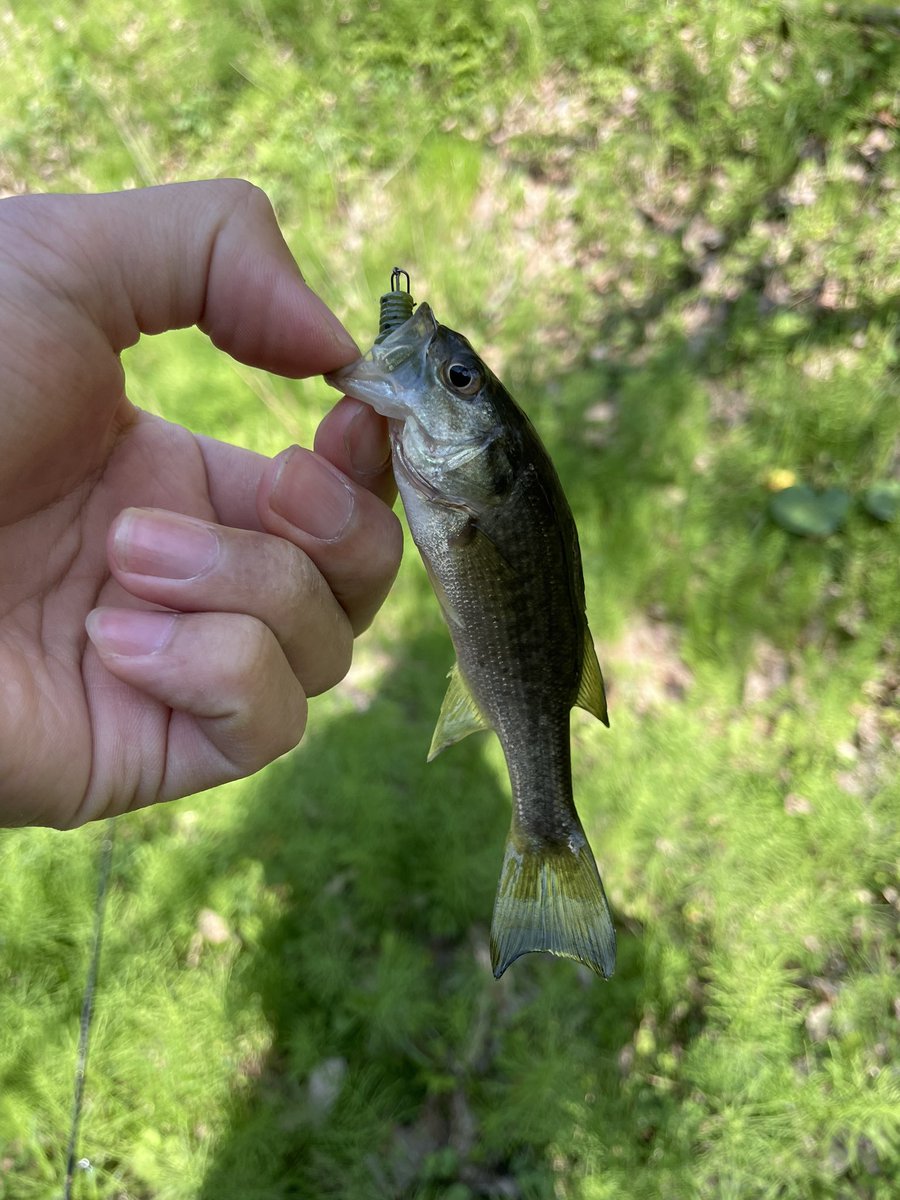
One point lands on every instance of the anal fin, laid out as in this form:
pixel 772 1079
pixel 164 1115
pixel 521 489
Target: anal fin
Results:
pixel 591 692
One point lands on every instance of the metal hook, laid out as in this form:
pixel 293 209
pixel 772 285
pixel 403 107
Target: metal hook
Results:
pixel 396 275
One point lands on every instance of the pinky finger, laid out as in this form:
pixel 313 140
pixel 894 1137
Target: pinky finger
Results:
pixel 236 704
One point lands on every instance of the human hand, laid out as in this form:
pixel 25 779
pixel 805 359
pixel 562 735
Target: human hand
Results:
pixel 167 602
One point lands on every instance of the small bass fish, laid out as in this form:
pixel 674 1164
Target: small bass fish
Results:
pixel 489 517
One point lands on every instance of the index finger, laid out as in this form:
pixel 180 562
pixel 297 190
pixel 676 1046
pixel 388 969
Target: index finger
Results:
pixel 209 254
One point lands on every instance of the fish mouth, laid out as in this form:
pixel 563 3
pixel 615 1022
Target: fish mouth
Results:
pixel 382 377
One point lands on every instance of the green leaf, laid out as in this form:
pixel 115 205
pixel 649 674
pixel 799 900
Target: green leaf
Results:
pixel 804 511
pixel 882 499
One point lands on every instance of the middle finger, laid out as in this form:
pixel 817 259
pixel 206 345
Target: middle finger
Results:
pixel 190 565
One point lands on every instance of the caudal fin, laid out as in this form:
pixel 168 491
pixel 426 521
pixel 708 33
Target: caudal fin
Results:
pixel 552 899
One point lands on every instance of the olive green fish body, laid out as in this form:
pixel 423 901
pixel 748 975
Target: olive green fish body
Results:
pixel 509 613
pixel 491 522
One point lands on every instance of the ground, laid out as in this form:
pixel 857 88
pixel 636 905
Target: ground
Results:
pixel 673 231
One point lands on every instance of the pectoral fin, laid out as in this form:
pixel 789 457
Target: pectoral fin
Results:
pixel 481 547
pixel 459 717
pixel 591 692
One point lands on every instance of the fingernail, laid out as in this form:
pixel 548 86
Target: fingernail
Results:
pixel 164 544
pixel 311 494
pixel 367 448
pixel 129 632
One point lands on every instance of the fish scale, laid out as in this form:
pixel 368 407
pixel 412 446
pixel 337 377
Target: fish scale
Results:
pixel 490 519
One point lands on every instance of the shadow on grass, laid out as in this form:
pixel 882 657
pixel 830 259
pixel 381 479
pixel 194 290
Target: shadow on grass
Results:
pixel 398 1066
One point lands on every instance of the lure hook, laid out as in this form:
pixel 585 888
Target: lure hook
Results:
pixel 396 305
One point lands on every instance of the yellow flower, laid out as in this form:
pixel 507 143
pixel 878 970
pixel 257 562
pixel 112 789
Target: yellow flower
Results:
pixel 780 478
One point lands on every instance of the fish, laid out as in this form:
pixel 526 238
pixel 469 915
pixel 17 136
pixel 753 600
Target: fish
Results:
pixel 489 517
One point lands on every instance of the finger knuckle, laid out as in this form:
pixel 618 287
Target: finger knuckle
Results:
pixel 380 551
pixel 303 575
pixel 268 705
pixel 339 658
pixel 391 548
pixel 268 733
pixel 283 728
pixel 262 653
pixel 290 729
pixel 250 198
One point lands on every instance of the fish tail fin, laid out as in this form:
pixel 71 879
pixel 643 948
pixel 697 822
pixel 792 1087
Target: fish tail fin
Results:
pixel 550 898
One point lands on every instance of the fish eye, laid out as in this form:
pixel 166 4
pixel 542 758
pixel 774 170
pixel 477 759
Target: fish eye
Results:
pixel 463 379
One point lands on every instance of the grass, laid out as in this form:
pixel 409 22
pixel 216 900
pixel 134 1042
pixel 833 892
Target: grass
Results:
pixel 673 232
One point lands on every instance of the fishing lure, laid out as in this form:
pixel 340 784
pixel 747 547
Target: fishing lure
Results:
pixel 396 306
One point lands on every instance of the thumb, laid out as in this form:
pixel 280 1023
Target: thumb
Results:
pixel 208 254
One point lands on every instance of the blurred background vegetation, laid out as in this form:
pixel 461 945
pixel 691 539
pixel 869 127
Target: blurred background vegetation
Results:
pixel 673 230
